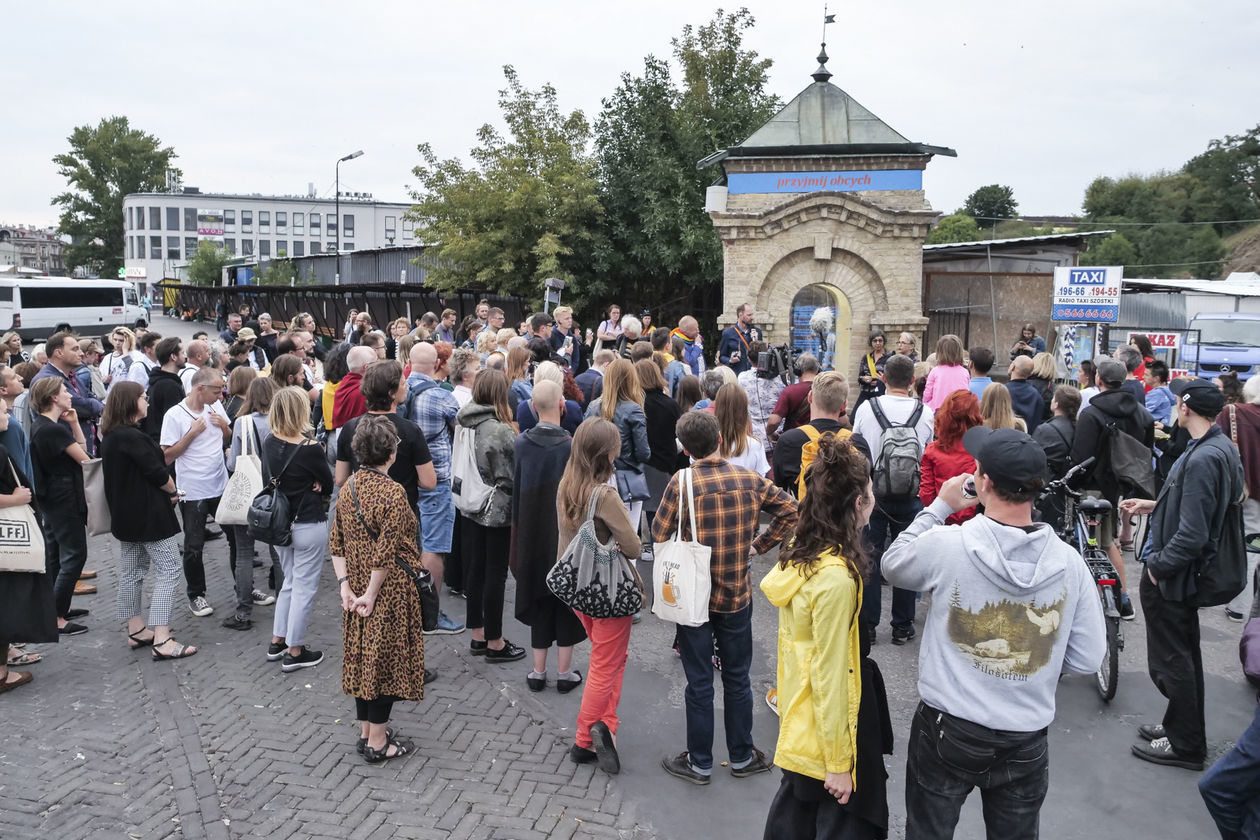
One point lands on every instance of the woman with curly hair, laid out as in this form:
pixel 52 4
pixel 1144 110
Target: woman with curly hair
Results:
pixel 945 457
pixel 834 727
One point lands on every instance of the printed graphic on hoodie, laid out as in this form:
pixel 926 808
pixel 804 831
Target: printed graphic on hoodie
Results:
pixel 1009 639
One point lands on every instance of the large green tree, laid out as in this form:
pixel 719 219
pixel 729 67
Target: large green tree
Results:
pixel 991 203
pixel 205 267
pixel 958 227
pixel 104 164
pixel 523 211
pixel 657 247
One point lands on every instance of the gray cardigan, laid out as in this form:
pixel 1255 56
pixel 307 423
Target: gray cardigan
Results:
pixel 495 448
pixel 1189 515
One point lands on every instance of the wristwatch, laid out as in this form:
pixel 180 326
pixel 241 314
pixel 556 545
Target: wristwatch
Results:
pixel 342 579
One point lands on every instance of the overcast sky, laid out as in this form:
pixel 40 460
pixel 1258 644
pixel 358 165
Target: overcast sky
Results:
pixel 264 97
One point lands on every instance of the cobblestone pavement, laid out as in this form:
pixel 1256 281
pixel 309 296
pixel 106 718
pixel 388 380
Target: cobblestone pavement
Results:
pixel 108 743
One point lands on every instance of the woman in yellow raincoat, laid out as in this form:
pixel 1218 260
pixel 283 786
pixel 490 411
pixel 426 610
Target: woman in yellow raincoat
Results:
pixel 834 724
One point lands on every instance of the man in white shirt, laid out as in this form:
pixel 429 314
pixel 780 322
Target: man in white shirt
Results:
pixel 892 515
pixel 194 434
pixel 146 351
pixel 198 357
pixel 462 369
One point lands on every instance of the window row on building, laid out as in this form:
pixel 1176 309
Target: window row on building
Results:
pixel 151 218
pixel 183 248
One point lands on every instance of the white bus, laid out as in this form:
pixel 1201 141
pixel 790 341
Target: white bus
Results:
pixel 39 307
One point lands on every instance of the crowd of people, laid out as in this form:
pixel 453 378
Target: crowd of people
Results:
pixel 430 460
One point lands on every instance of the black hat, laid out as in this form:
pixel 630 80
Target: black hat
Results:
pixel 1011 458
pixel 1199 395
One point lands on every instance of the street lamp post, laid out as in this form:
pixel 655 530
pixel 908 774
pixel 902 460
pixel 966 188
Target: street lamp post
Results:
pixel 337 212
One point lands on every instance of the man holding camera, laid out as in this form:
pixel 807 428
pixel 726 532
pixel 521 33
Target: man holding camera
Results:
pixel 735 348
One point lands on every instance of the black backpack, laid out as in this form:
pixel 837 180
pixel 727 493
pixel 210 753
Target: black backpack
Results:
pixel 1129 461
pixel 270 516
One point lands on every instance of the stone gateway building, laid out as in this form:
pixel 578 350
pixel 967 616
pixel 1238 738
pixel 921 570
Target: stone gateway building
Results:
pixel 822 216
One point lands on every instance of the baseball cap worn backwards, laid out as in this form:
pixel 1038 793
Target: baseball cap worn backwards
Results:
pixel 1011 458
pixel 1199 395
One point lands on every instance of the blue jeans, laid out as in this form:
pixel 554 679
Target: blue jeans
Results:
pixel 733 632
pixel 948 757
pixel 888 520
pixel 1231 787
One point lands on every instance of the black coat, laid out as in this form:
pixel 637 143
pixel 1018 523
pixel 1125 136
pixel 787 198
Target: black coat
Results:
pixel 166 391
pixel 135 471
pixel 541 455
pixel 662 419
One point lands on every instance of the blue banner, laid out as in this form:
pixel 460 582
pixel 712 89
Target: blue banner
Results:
pixel 797 182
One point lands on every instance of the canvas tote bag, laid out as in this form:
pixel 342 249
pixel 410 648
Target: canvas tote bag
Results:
pixel 246 481
pixel 98 517
pixel 680 573
pixel 21 540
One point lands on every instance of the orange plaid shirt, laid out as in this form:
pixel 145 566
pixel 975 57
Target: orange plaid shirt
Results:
pixel 729 500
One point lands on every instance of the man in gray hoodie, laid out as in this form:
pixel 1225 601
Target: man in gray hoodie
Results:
pixel 1012 608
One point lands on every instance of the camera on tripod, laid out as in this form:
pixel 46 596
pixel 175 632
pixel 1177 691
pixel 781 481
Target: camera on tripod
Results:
pixel 778 361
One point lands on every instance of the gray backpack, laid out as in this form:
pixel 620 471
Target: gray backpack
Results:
pixel 896 475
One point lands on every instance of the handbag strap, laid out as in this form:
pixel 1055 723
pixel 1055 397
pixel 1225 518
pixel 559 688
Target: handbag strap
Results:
pixel 590 509
pixel 1233 423
pixel 354 497
pixel 691 505
pixel 274 481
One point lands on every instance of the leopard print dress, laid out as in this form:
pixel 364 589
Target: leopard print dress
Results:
pixel 384 652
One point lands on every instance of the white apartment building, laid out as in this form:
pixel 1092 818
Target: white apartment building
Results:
pixel 164 228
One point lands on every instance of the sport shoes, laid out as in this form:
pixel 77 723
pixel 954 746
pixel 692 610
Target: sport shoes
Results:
pixel 760 763
pixel 275 651
pixel 72 629
pixel 680 768
pixel 901 635
pixel 200 607
pixel 1160 751
pixel 1126 608
pixel 306 659
pixel 508 653
pixel 1151 731
pixel 238 622
pixel 1234 616
pixel 262 599
pixel 446 626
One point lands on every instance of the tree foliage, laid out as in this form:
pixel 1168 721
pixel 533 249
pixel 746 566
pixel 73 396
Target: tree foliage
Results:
pixel 1116 249
pixel 959 227
pixel 104 164
pixel 991 203
pixel 655 238
pixel 205 267
pixel 277 272
pixel 523 211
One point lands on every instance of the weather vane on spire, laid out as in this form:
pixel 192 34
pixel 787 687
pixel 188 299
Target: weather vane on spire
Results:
pixel 822 74
pixel 826 20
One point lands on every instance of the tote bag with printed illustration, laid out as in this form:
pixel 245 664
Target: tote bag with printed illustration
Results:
pixel 681 583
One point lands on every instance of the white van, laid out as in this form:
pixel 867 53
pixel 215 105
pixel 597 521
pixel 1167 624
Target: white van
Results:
pixel 39 307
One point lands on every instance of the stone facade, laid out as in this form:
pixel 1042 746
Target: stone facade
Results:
pixel 865 248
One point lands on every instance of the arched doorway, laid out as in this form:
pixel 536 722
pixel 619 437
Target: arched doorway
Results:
pixel 822 324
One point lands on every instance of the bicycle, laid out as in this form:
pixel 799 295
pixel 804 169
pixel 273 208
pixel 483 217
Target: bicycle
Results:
pixel 1081 521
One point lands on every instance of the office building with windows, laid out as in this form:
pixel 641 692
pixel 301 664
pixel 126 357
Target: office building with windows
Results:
pixel 163 229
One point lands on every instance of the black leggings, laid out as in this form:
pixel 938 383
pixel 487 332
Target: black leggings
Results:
pixel 375 711
pixel 485 575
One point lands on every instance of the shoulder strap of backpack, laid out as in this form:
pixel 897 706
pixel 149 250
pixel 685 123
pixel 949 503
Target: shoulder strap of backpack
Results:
pixel 810 432
pixel 880 416
pixel 914 417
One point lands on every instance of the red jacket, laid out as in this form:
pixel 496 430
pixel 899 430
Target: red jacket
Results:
pixel 348 402
pixel 937 467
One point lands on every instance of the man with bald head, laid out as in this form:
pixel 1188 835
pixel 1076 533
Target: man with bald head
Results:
pixel 348 401
pixel 198 351
pixel 1025 400
pixel 693 353
pixel 432 408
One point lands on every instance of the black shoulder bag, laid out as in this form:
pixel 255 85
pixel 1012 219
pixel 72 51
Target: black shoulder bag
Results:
pixel 422 579
pixel 270 516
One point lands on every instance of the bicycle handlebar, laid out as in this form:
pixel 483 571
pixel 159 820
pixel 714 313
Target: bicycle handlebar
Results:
pixel 1061 485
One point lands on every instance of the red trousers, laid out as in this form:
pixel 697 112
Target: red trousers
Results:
pixel 610 639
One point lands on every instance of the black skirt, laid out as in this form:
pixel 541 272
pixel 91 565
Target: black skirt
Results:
pixel 27 610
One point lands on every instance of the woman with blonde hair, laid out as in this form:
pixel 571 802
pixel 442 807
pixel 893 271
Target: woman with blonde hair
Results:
pixel 11 349
pixel 996 407
pixel 948 375
pixel 1043 374
pixel 238 383
pixel 486 343
pixel 520 388
pixel 585 492
pixel 114 364
pixel 298 464
pixel 504 338
pixel 398 329
pixel 622 405
pixel 738 446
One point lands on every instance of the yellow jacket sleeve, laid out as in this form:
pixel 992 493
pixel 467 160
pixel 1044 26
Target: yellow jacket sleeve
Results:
pixel 833 668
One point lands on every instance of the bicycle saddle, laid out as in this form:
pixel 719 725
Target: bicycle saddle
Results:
pixel 1094 505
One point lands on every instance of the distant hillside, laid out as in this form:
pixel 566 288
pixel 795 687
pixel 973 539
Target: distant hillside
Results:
pixel 1243 251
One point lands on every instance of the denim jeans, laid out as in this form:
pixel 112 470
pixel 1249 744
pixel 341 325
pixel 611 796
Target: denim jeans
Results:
pixel 1231 787
pixel 733 632
pixel 65 552
pixel 242 553
pixel 888 520
pixel 193 513
pixel 949 756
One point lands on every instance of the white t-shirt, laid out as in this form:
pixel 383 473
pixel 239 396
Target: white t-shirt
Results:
pixel 139 370
pixel 186 376
pixel 201 471
pixel 898 411
pixel 754 457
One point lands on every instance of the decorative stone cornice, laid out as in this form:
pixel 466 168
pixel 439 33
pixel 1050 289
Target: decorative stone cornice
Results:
pixel 844 208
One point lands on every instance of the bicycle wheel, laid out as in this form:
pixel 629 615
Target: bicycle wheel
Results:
pixel 1109 672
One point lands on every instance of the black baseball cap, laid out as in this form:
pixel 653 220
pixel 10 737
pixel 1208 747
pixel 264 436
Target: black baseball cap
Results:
pixel 1199 395
pixel 1011 458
